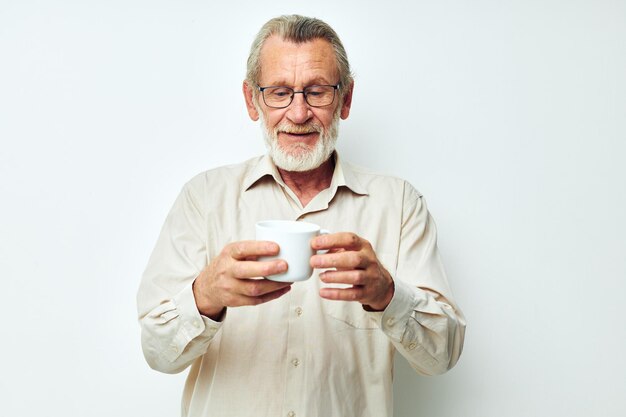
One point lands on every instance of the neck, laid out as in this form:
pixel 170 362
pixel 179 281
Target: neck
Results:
pixel 307 184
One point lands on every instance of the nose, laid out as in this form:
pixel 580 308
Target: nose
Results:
pixel 299 111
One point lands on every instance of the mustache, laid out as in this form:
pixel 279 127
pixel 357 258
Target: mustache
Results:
pixel 299 129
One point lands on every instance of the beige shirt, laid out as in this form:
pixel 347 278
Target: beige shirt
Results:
pixel 299 355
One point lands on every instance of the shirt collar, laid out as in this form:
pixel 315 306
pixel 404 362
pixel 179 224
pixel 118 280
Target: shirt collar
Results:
pixel 342 176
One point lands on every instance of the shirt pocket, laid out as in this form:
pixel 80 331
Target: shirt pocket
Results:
pixel 351 314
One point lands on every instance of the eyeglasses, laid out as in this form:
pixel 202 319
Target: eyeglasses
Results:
pixel 314 95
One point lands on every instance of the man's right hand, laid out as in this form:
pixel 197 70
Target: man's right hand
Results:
pixel 235 278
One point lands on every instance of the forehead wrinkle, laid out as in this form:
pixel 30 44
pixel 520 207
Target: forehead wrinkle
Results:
pixel 298 64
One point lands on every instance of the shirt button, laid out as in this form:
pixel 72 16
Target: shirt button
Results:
pixel 174 349
pixel 295 362
pixel 299 311
pixel 390 321
pixel 196 324
pixel 291 414
pixel 412 345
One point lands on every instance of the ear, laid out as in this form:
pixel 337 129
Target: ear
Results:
pixel 347 102
pixel 248 91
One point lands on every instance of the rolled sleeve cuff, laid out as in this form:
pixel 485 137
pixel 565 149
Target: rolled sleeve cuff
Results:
pixel 192 324
pixel 397 314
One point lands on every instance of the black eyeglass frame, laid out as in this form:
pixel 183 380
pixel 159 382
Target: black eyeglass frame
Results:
pixel 294 92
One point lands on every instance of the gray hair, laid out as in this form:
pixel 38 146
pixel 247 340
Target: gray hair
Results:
pixel 298 29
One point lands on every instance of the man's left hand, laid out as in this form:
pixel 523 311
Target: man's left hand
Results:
pixel 355 264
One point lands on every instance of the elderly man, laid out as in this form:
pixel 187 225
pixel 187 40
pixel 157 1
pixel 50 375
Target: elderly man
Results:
pixel 258 347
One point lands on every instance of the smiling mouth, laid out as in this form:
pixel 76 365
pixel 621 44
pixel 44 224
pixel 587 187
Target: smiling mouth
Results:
pixel 300 134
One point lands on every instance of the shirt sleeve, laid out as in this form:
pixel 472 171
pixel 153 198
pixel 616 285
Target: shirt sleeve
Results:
pixel 422 320
pixel 173 332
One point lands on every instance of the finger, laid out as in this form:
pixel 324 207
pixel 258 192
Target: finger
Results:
pixel 350 277
pixel 253 269
pixel 258 287
pixel 343 294
pixel 247 300
pixel 345 240
pixel 251 248
pixel 346 260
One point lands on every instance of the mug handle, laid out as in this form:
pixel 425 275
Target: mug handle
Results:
pixel 323 232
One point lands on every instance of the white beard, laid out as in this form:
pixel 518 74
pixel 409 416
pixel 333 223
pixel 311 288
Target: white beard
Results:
pixel 299 157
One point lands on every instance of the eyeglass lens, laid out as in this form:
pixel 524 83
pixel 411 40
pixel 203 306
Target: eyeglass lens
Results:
pixel 315 95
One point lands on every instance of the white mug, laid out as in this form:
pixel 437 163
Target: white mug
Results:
pixel 294 240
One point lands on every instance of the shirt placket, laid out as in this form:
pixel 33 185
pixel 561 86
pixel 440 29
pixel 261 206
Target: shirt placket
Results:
pixel 293 405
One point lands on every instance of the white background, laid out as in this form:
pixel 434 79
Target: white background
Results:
pixel 510 117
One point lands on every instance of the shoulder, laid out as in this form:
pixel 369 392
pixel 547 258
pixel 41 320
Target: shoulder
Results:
pixel 226 175
pixel 378 183
pixel 218 183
